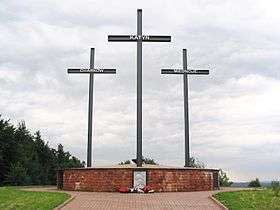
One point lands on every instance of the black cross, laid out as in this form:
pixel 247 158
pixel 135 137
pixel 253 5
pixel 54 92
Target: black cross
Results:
pixel 185 71
pixel 91 71
pixel 139 38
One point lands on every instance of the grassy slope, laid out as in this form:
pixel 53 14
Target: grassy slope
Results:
pixel 14 199
pixel 249 200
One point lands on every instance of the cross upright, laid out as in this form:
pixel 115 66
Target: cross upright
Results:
pixel 91 71
pixel 139 38
pixel 185 71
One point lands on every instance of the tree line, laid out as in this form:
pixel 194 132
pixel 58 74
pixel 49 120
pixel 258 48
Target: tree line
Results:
pixel 26 159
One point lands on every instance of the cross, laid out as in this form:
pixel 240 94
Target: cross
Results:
pixel 139 38
pixel 185 71
pixel 91 71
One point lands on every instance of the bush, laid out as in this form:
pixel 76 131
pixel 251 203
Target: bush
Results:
pixel 149 161
pixel 255 183
pixel 195 163
pixel 125 162
pixel 275 185
pixel 145 161
pixel 223 179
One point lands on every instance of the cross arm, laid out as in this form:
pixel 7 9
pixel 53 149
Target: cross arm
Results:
pixel 158 39
pixel 182 71
pixel 135 38
pixel 120 38
pixel 95 71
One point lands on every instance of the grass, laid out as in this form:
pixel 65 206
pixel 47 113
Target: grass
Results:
pixel 249 200
pixel 13 198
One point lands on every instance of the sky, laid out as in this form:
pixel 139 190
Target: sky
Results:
pixel 234 111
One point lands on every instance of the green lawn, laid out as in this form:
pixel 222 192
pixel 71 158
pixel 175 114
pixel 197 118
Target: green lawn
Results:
pixel 13 198
pixel 249 200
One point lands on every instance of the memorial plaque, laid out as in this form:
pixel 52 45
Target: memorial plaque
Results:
pixel 139 179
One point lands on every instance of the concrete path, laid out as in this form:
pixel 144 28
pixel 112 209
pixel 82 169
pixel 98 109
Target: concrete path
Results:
pixel 155 201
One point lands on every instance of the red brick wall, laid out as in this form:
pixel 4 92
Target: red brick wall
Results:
pixel 161 180
pixel 106 180
pixel 180 180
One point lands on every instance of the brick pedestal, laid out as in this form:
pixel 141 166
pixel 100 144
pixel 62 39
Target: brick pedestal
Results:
pixel 161 179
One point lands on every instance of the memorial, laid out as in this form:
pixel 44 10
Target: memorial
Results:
pixel 159 178
pixel 138 175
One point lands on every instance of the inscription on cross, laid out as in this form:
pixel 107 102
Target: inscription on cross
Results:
pixel 139 38
pixel 91 71
pixel 185 71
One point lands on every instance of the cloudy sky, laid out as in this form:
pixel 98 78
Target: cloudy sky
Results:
pixel 234 112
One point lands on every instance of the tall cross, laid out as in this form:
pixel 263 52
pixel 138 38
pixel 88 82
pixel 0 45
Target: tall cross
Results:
pixel 91 71
pixel 139 38
pixel 185 71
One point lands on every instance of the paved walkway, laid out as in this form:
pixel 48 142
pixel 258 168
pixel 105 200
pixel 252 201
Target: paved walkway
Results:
pixel 160 201
pixel 155 201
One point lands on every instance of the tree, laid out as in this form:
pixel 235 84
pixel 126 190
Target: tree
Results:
pixel 45 160
pixel 66 160
pixel 60 157
pixel 223 179
pixel 17 175
pixel 254 183
pixel 8 152
pixel 25 158
pixel 275 185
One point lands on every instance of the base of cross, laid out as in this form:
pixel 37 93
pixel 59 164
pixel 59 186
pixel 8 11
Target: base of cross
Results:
pixel 157 177
pixel 139 164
